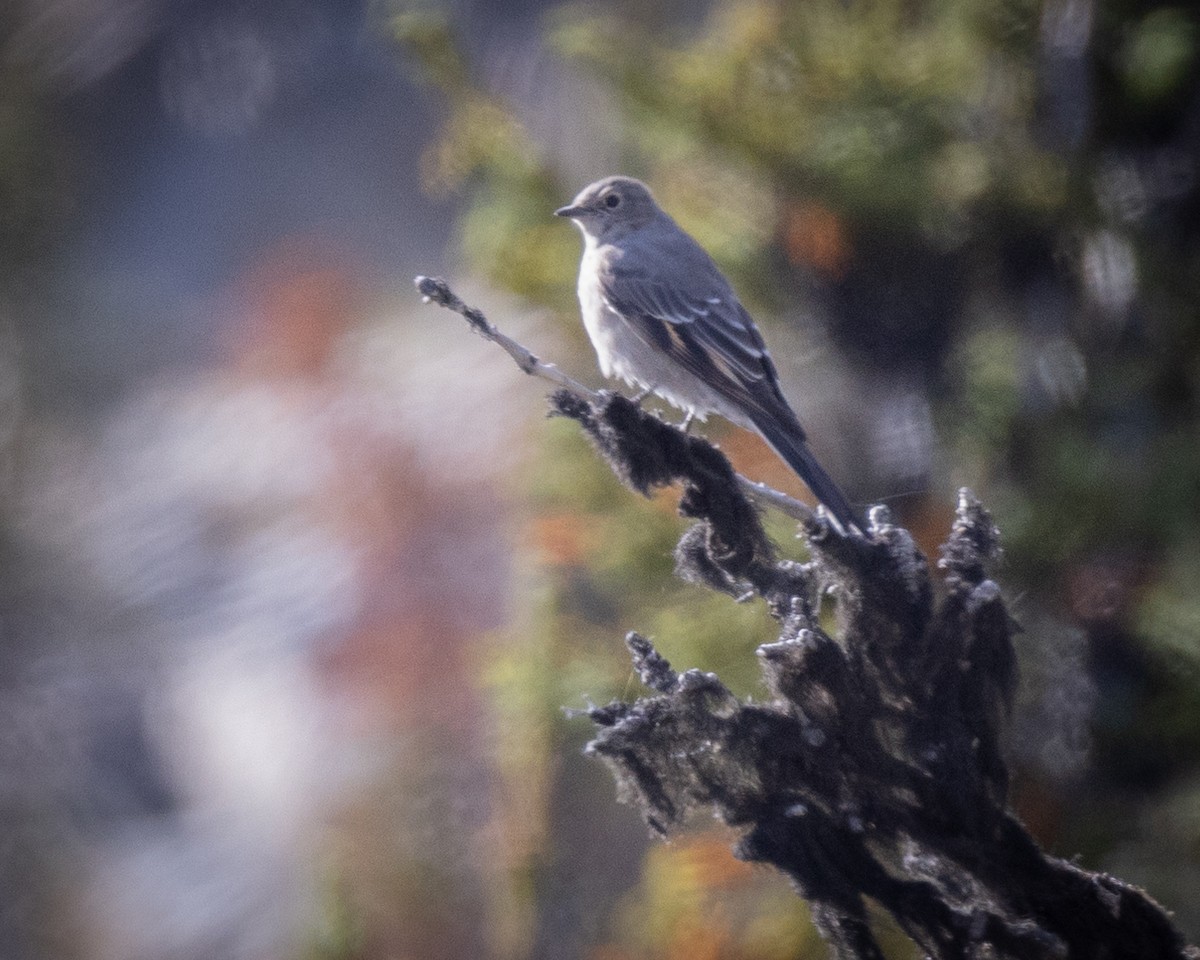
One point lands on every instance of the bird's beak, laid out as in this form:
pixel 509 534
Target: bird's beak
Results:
pixel 571 212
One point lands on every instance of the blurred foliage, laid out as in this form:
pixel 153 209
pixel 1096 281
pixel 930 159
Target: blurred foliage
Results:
pixel 1001 200
pixel 883 110
pixel 695 900
pixel 338 933
pixel 34 179
pixel 506 230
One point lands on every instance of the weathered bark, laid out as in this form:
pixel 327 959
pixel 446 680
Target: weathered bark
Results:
pixel 875 768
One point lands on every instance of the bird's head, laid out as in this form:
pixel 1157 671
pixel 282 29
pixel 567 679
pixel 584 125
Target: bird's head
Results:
pixel 611 207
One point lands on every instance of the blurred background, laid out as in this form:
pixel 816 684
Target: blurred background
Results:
pixel 298 581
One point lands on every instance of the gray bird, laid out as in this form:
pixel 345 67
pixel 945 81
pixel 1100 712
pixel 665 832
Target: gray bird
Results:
pixel 662 317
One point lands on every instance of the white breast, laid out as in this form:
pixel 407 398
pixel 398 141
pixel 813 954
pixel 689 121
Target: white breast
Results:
pixel 623 354
pixel 603 327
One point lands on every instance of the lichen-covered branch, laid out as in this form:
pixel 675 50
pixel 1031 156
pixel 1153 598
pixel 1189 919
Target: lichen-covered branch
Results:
pixel 874 770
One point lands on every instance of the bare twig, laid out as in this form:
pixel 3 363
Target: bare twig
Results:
pixel 436 290
pixel 760 493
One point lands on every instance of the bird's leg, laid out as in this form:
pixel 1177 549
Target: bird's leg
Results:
pixel 641 395
pixel 687 421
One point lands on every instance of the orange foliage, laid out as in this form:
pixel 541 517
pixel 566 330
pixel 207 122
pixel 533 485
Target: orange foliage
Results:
pixel 814 236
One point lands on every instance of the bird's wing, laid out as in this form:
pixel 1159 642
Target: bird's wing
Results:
pixel 710 334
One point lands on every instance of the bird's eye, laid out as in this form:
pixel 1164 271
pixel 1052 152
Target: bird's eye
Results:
pixel 612 200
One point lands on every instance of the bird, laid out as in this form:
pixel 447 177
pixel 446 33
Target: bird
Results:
pixel 662 317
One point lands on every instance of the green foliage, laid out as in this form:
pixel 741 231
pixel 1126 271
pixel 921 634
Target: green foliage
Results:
pixel 889 111
pixel 507 234
pixel 1158 55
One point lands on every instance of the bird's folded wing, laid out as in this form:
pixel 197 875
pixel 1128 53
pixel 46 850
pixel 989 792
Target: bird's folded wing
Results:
pixel 710 336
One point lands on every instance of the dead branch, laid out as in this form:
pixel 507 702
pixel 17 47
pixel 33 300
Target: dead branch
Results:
pixel 874 770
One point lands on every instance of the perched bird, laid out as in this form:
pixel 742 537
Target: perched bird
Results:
pixel 662 317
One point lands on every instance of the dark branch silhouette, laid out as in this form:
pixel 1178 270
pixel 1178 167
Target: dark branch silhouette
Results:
pixel 874 770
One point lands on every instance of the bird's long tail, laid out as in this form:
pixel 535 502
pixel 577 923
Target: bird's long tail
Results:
pixel 787 440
